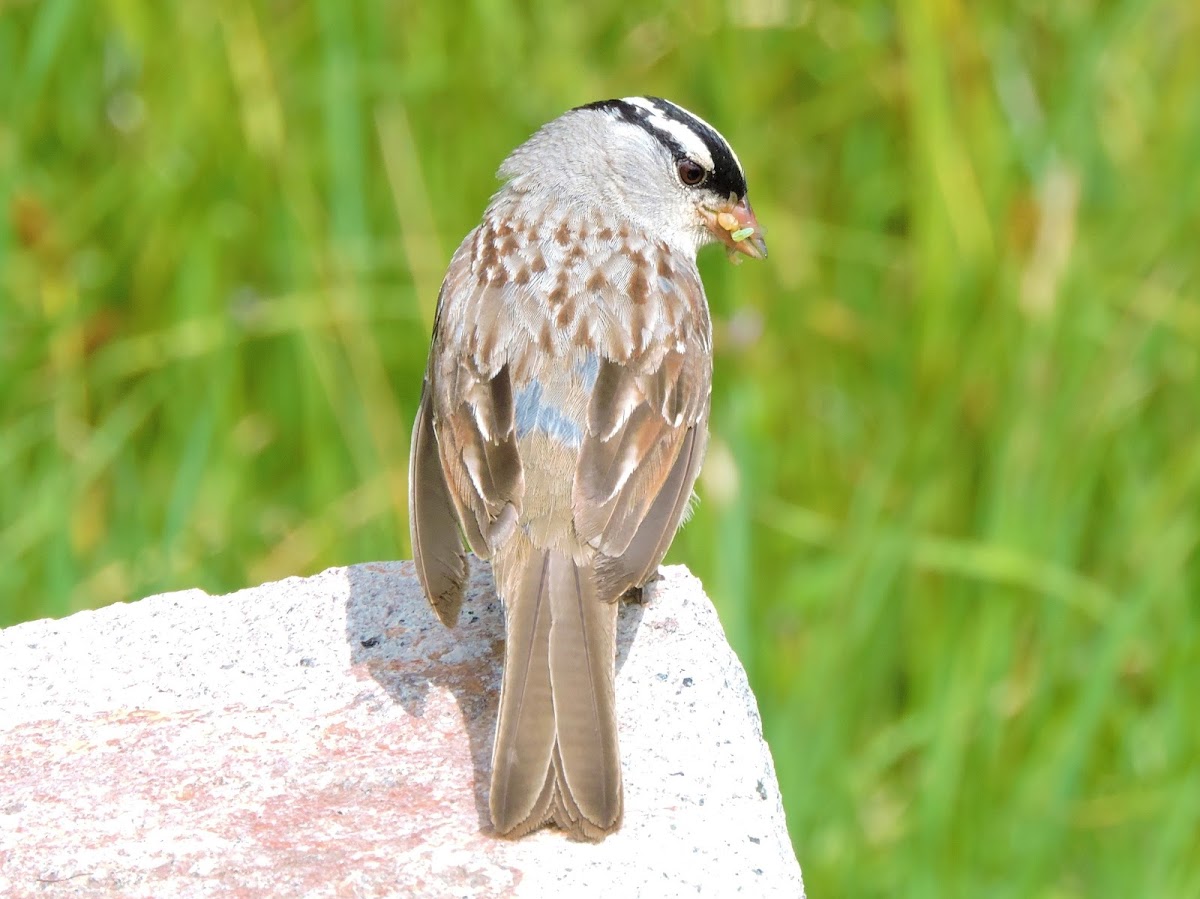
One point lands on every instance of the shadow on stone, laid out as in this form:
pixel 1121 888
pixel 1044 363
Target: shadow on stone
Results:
pixel 407 652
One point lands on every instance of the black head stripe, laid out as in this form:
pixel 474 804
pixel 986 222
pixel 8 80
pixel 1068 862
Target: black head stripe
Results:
pixel 727 176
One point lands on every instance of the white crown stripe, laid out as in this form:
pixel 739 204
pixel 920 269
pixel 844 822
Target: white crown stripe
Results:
pixel 685 136
pixel 728 145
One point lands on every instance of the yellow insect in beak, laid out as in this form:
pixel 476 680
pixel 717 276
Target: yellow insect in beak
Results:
pixel 733 223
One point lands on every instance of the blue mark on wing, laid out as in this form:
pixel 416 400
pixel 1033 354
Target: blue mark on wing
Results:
pixel 588 370
pixel 534 414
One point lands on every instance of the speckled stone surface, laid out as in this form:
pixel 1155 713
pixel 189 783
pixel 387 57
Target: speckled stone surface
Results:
pixel 328 737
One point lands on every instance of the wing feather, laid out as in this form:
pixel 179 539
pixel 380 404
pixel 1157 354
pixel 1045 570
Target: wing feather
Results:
pixel 647 432
pixel 474 411
pixel 433 523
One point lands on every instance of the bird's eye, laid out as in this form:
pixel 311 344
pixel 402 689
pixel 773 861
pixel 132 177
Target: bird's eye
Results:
pixel 691 172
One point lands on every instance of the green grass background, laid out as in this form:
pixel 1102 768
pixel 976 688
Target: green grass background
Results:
pixel 951 511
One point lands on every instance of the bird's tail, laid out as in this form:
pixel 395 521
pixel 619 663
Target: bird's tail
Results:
pixel 556 756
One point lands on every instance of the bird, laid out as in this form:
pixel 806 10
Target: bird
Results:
pixel 563 419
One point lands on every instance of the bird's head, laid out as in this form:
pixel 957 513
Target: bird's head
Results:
pixel 661 167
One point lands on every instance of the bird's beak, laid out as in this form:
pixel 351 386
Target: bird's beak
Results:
pixel 733 223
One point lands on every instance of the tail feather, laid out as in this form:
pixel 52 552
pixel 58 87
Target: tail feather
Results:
pixel 582 651
pixel 568 816
pixel 525 726
pixel 556 756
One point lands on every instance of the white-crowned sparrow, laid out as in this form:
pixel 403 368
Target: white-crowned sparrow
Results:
pixel 563 420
